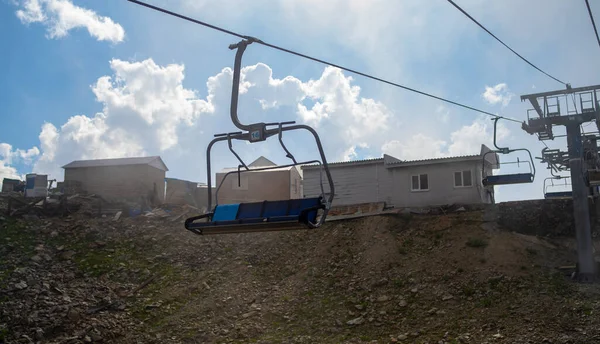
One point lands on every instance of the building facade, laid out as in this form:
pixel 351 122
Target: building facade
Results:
pixel 178 191
pixel 120 179
pixel 418 183
pixel 256 186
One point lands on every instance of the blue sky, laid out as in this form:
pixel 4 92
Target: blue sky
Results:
pixel 56 67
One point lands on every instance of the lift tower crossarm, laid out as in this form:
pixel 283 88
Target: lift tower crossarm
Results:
pixel 559 92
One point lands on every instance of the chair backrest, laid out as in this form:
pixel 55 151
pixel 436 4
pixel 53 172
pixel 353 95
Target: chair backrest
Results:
pixel 226 212
pixel 250 210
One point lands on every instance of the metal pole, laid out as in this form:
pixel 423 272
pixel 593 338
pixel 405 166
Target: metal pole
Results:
pixel 581 212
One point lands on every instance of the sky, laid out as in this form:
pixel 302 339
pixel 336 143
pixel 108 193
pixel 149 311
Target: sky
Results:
pixel 85 79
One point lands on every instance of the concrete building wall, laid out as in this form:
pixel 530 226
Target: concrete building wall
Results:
pixel 361 183
pixel 371 181
pixel 254 186
pixel 128 182
pixel 202 197
pixel 295 184
pixel 441 185
pixel 185 192
pixel 180 191
pixel 9 185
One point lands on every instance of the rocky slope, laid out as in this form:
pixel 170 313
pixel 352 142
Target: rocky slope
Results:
pixel 399 278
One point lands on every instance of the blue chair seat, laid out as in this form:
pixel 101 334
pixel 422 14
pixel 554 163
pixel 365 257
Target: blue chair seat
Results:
pixel 299 211
pixel 503 179
pixel 562 194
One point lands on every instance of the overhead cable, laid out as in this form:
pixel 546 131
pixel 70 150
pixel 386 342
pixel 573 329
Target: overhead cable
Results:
pixel 504 44
pixel 258 41
pixel 592 18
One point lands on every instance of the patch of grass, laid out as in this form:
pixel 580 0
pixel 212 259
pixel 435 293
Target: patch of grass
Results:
pixel 586 308
pixel 398 283
pixel 3 334
pixel 486 302
pixel 558 284
pixel 476 242
pixel 494 282
pixel 531 251
pixel 468 291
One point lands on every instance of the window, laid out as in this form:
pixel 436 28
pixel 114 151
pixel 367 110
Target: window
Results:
pixel 463 179
pixel 420 182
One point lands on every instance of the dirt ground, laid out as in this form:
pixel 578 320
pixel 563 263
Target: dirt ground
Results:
pixel 386 279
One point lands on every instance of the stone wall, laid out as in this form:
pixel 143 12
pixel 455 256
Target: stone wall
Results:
pixel 541 217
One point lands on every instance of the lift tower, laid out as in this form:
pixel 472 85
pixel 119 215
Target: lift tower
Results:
pixel 571 108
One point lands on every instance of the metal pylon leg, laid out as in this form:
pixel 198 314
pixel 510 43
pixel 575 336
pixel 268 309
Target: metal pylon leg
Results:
pixel 581 212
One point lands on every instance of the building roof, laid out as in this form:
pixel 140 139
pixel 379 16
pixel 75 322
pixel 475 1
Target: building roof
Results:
pixel 9 180
pixel 392 162
pixel 155 161
pixel 434 160
pixel 251 168
pixel 348 163
pixel 167 179
pixel 262 162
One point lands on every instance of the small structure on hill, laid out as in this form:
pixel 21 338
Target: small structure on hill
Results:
pixel 9 185
pixel 179 192
pixel 255 186
pixel 128 179
pixel 36 185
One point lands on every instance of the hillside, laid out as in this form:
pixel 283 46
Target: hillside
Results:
pixel 397 278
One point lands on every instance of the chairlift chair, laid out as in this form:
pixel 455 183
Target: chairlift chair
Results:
pixel 505 179
pixel 556 194
pixel 267 215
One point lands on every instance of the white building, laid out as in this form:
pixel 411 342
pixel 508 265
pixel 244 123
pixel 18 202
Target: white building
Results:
pixel 429 182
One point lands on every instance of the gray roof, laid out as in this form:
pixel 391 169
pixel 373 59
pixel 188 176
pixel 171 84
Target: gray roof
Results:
pixel 262 162
pixel 392 162
pixel 398 163
pixel 447 158
pixel 148 160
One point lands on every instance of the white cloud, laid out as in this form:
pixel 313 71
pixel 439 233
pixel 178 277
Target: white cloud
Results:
pixel 147 110
pixel 443 113
pixel 31 12
pixel 419 146
pixel 498 94
pixel 467 140
pixel 61 16
pixel 352 154
pixel 143 106
pixel 339 110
